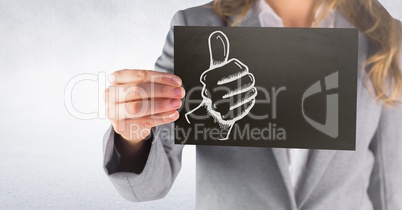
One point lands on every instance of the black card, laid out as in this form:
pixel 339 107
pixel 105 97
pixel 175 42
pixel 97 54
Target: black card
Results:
pixel 267 87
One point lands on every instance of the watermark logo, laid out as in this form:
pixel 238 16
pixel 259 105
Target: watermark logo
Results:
pixel 330 127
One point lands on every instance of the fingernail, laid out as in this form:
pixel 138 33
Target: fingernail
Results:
pixel 173 115
pixel 175 102
pixel 175 81
pixel 178 91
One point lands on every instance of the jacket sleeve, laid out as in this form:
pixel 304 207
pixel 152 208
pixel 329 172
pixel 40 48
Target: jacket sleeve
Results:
pixel 386 179
pixel 164 159
pixel 385 188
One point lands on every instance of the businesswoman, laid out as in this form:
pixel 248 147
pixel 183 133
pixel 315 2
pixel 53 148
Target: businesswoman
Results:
pixel 142 163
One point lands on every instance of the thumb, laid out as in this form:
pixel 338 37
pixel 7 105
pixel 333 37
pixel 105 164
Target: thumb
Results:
pixel 218 48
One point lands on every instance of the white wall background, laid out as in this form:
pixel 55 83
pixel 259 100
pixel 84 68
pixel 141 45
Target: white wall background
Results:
pixel 49 159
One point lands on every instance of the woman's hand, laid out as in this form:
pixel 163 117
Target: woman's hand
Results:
pixel 138 100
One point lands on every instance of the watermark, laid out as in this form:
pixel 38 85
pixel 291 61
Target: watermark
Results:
pixel 113 102
pixel 100 80
pixel 199 132
pixel 117 93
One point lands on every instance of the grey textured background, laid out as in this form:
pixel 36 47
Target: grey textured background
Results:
pixel 49 159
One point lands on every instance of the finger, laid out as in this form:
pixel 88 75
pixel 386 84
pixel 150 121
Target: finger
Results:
pixel 247 83
pixel 160 119
pixel 218 48
pixel 130 92
pixel 239 112
pixel 243 82
pixel 244 98
pixel 231 71
pixel 225 105
pixel 140 128
pixel 145 76
pixel 146 107
pixel 217 92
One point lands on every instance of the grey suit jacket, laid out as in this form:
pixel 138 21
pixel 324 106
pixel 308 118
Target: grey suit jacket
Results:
pixel 258 178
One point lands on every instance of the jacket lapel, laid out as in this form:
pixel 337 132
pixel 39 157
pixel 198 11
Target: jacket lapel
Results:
pixel 283 165
pixel 317 165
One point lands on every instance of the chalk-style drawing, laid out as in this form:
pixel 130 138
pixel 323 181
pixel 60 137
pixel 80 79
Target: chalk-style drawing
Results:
pixel 228 91
pixel 330 127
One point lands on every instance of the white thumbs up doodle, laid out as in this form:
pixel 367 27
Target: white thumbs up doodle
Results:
pixel 228 91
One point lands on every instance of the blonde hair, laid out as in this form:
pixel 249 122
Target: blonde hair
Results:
pixel 371 18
